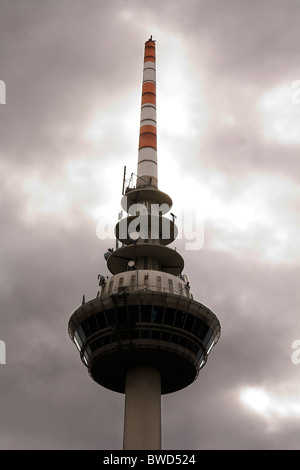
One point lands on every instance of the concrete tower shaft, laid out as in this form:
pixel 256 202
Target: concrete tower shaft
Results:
pixel 147 158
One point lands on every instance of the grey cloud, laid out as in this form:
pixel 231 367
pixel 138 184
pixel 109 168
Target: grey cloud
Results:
pixel 62 61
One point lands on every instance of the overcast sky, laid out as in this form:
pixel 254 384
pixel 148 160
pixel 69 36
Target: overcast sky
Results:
pixel 228 112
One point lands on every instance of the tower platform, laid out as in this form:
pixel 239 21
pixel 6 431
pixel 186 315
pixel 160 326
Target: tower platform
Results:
pixel 127 328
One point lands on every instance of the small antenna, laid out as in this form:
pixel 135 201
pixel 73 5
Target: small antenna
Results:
pixel 124 180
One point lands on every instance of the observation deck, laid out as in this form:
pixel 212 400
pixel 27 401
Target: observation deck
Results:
pixel 131 327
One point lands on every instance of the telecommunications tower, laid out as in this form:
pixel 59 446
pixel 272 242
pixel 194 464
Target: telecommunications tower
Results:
pixel 144 335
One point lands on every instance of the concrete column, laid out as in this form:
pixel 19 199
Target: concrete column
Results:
pixel 142 417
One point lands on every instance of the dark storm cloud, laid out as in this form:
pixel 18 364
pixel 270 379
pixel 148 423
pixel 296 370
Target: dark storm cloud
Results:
pixel 257 305
pixel 256 299
pixel 250 42
pixel 240 50
pixel 59 62
pixel 38 294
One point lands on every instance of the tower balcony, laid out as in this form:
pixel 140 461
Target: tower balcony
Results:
pixel 151 227
pixel 149 194
pixel 170 261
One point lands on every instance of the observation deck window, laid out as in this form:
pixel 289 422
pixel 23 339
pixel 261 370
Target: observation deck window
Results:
pixel 101 320
pixel 93 324
pixel 209 338
pixel 77 340
pixel 86 355
pixel 179 319
pixel 122 315
pixel 86 328
pixel 134 313
pixel 110 317
pixel 80 336
pixel 200 355
pixel 165 336
pixel 192 347
pixel 198 326
pixel 169 316
pixel 175 338
pixel 155 334
pixel 157 314
pixel 98 343
pixel 146 313
pixel 189 322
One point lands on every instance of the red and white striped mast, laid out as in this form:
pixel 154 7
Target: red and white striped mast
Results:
pixel 147 157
